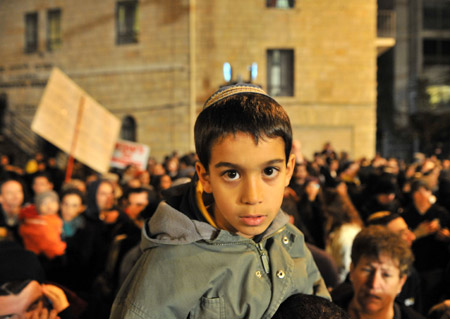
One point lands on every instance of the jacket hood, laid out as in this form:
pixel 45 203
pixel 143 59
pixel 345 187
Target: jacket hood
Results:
pixel 178 221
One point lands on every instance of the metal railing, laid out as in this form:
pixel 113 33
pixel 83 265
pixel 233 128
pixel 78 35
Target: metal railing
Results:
pixel 386 24
pixel 19 132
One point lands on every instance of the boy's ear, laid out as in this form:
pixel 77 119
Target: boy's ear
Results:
pixel 289 168
pixel 203 176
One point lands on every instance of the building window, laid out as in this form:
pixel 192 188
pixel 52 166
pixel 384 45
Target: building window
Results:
pixel 53 29
pixel 127 23
pixel 31 32
pixel 280 72
pixel 436 51
pixel 128 129
pixel 282 4
pixel 436 15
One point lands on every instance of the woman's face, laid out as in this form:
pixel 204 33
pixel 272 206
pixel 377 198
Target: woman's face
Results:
pixel 376 283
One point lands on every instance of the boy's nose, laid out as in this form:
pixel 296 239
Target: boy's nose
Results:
pixel 251 193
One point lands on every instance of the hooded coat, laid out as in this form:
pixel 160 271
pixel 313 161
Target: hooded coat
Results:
pixel 189 269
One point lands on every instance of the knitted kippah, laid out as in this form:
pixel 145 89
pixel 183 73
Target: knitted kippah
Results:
pixel 234 89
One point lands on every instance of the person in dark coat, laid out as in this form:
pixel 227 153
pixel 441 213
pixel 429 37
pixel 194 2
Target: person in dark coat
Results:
pixel 430 223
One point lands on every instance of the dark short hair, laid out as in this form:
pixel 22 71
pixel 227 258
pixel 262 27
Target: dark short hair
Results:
pixel 418 184
pixel 309 306
pixel 43 174
pixel 136 190
pixel 248 112
pixel 377 240
pixel 74 191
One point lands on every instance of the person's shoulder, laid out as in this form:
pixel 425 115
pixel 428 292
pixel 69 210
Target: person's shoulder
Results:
pixel 440 209
pixel 409 313
pixel 342 294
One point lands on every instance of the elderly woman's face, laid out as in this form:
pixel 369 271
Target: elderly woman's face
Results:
pixel 376 283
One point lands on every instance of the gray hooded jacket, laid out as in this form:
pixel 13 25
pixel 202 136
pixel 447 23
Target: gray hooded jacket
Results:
pixel 189 269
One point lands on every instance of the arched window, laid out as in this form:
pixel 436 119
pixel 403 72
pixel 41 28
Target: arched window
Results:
pixel 128 129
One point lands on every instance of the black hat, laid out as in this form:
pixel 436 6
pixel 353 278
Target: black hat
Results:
pixel 384 186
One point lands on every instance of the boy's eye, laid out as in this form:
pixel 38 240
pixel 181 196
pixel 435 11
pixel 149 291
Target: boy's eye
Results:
pixel 231 175
pixel 270 171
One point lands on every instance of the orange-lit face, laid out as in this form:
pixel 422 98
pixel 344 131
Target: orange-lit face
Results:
pixel 136 204
pixel 11 195
pixel 376 283
pixel 247 181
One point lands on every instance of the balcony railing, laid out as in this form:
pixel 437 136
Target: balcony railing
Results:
pixel 386 24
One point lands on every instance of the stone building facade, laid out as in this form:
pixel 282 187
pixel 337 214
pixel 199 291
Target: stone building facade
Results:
pixel 154 62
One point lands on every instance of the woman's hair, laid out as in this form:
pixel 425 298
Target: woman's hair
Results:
pixel 340 210
pixel 244 110
pixel 374 241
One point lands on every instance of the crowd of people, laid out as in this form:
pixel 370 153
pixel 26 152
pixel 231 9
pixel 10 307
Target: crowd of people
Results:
pixel 85 232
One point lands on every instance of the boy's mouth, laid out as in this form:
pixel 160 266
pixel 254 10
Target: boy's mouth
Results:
pixel 253 220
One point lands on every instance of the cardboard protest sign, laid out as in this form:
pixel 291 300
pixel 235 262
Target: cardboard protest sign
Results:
pixel 73 121
pixel 129 153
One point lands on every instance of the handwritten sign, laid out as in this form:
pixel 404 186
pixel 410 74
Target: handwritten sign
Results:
pixel 129 153
pixel 74 122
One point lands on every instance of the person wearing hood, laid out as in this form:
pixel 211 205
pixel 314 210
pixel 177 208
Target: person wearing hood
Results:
pixel 220 246
pixel 113 230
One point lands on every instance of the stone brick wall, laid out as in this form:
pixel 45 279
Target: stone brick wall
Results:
pixel 335 63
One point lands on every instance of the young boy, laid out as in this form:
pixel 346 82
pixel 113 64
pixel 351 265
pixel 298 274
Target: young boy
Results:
pixel 220 247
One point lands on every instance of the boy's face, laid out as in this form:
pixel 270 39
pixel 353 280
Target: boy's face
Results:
pixel 247 181
pixel 41 184
pixel 71 207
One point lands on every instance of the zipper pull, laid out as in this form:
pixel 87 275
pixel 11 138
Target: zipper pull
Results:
pixel 264 257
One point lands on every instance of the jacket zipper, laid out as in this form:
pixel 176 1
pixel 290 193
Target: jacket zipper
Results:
pixel 264 257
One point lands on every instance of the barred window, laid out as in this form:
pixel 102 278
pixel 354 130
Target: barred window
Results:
pixel 31 32
pixel 53 29
pixel 436 51
pixel 128 129
pixel 436 15
pixel 280 72
pixel 127 23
